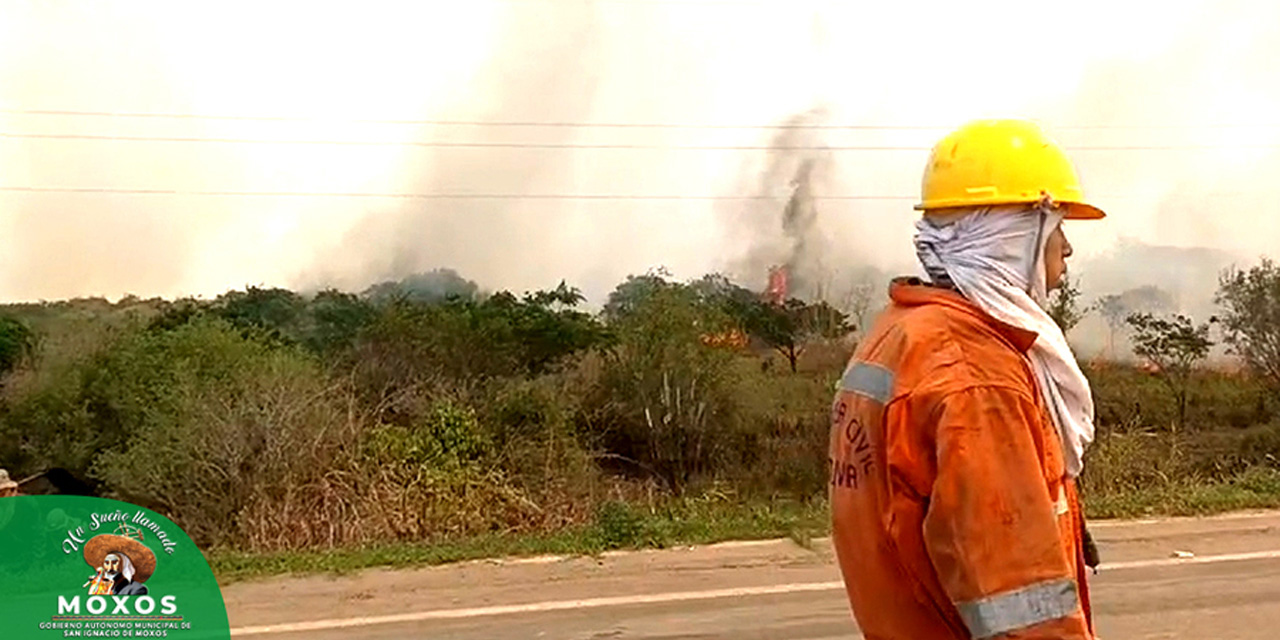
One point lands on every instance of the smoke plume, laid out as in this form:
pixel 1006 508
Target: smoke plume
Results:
pixel 543 75
pixel 780 222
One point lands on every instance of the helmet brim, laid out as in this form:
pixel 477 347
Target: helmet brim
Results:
pixel 1082 211
pixel 1075 210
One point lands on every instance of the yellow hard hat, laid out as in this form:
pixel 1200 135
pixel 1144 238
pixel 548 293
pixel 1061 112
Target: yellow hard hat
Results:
pixel 992 162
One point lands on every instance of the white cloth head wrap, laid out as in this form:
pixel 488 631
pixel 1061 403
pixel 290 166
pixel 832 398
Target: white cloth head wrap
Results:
pixel 995 258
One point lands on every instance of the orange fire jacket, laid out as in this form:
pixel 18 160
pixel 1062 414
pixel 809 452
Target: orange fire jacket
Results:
pixel 952 515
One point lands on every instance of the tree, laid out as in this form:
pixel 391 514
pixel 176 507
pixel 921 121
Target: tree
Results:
pixel 467 340
pixel 821 320
pixel 334 319
pixel 787 327
pixel 784 328
pixel 1114 313
pixel 1064 305
pixel 276 311
pixel 778 327
pixel 17 342
pixel 1175 346
pixel 1251 319
pixel 632 294
pixel 433 286
pixel 1117 308
pixel 325 324
pixel 545 326
pixel 177 313
pixel 857 303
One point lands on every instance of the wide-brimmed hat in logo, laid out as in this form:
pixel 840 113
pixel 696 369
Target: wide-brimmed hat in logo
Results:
pixel 6 482
pixel 98 547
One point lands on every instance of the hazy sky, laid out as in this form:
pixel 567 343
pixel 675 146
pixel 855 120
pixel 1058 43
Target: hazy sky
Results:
pixel 365 101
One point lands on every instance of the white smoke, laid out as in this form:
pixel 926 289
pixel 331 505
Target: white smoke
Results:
pixel 1090 77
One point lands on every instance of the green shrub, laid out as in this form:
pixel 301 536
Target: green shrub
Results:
pixel 17 342
pixel 1251 304
pixel 464 341
pixel 784 449
pixel 533 427
pixel 664 400
pixel 1126 395
pixel 77 406
pixel 217 426
pixel 265 420
pixel 1261 445
pixel 618 525
pixel 47 423
pixel 448 437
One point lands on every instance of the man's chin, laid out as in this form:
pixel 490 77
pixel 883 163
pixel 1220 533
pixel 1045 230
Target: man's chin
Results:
pixel 1057 282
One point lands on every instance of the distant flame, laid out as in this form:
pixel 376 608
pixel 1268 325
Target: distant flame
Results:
pixel 731 339
pixel 776 292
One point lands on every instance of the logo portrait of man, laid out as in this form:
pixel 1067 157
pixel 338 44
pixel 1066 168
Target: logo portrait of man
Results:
pixel 122 565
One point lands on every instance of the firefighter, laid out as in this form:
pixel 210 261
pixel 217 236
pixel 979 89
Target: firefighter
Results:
pixel 8 487
pixel 961 421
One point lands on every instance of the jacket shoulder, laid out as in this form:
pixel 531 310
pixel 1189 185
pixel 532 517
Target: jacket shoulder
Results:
pixel 940 349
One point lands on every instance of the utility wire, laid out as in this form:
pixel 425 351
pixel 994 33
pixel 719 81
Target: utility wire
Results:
pixel 575 146
pixel 450 144
pixel 468 123
pixel 419 196
pixel 567 124
pixel 495 196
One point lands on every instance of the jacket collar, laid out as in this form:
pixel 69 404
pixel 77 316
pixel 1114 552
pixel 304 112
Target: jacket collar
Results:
pixel 912 292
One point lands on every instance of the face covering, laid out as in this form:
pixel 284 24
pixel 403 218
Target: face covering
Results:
pixel 995 258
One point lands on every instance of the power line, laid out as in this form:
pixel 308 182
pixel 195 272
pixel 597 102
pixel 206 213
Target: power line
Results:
pixel 500 196
pixel 449 144
pixel 419 196
pixel 609 125
pixel 577 146
pixel 690 3
pixel 469 123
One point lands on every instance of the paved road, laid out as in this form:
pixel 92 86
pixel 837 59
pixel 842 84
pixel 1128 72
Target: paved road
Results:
pixel 774 590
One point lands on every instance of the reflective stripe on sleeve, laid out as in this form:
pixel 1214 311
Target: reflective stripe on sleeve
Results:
pixel 1019 609
pixel 872 381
